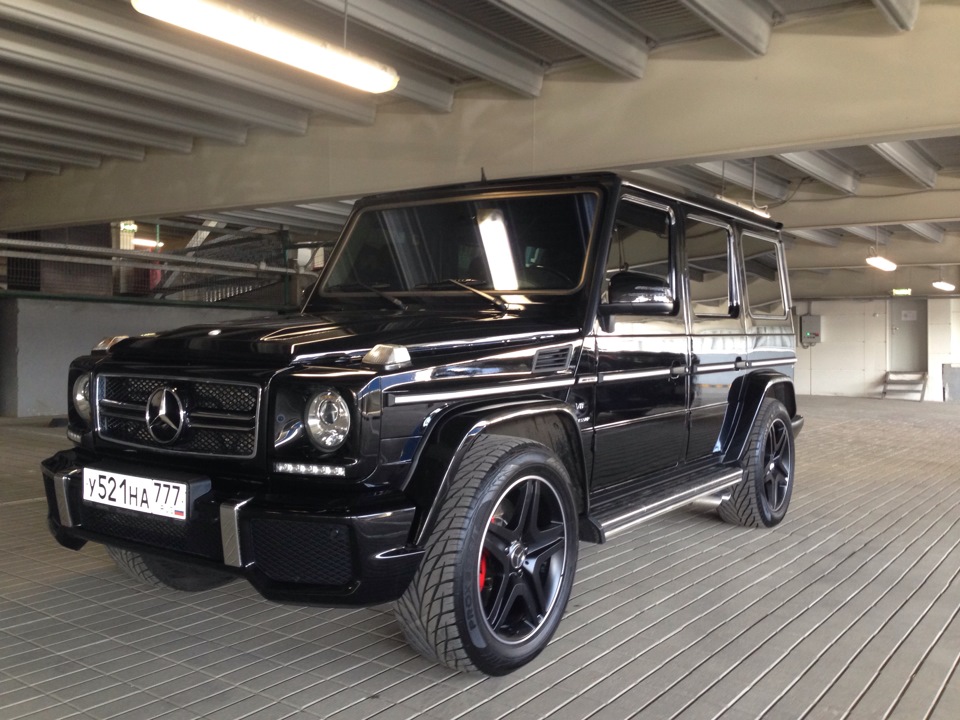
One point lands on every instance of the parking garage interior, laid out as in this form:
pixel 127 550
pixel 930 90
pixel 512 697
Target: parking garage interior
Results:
pixel 151 178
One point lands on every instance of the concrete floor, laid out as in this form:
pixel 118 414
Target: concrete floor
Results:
pixel 847 609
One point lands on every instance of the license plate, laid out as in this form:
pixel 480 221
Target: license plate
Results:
pixel 154 497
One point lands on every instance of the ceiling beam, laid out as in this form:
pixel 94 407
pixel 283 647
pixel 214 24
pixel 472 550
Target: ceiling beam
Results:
pixel 820 237
pixel 16 175
pixel 679 177
pixel 737 20
pixel 746 175
pixel 876 204
pixel 585 27
pixel 447 38
pixel 423 88
pixel 902 14
pixel 871 233
pixel 34 150
pixel 52 116
pixel 102 23
pixel 83 96
pixel 29 164
pixel 908 160
pixel 59 138
pixel 825 169
pixel 928 231
pixel 158 83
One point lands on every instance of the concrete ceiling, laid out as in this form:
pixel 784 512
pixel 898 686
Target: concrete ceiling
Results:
pixel 841 117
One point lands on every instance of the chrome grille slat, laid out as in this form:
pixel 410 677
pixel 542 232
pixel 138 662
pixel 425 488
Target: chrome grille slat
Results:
pixel 220 416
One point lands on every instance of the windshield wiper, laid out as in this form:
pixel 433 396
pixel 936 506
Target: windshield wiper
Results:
pixel 347 287
pixel 498 302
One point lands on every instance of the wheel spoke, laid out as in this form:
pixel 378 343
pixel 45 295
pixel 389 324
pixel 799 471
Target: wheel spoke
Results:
pixel 529 508
pixel 497 548
pixel 545 540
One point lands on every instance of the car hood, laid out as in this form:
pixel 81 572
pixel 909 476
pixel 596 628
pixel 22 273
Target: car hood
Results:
pixel 335 337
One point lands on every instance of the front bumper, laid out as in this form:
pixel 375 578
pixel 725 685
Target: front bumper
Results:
pixel 348 550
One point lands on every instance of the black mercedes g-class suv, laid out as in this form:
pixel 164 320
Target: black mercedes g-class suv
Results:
pixel 483 376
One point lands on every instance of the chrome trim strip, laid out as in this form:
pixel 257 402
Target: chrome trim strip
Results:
pixel 624 522
pixel 634 374
pixel 480 392
pixel 61 484
pixel 715 367
pixel 587 379
pixel 771 363
pixel 230 531
pixel 116 407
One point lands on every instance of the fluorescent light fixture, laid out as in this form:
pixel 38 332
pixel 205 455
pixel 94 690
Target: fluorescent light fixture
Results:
pixel 496 246
pixel 743 206
pixel 881 263
pixel 147 243
pixel 247 31
pixel 942 284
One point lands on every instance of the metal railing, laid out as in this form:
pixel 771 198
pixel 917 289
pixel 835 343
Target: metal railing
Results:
pixel 247 271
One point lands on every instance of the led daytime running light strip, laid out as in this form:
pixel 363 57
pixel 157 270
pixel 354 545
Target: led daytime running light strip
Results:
pixel 308 469
pixel 253 33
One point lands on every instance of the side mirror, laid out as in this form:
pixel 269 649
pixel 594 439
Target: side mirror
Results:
pixel 638 293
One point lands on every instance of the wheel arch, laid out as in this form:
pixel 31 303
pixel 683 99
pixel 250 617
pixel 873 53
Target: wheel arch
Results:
pixel 746 395
pixel 549 422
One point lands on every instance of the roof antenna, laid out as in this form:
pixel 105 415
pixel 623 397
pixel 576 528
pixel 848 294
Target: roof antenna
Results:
pixel 483 174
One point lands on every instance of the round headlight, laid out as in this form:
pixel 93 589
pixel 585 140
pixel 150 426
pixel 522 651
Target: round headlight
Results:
pixel 81 396
pixel 327 419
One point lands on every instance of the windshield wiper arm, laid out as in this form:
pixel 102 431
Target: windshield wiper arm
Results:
pixel 498 302
pixel 380 293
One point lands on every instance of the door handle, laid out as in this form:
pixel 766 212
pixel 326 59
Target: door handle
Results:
pixel 678 370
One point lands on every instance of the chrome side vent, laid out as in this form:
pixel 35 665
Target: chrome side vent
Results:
pixel 552 360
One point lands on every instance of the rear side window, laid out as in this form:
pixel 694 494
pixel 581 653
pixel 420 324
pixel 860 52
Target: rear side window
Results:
pixel 762 274
pixel 708 265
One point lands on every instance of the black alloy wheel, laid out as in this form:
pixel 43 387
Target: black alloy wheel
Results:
pixel 498 569
pixel 522 560
pixel 762 496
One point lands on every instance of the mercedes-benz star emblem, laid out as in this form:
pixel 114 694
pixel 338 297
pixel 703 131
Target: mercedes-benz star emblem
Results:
pixel 165 415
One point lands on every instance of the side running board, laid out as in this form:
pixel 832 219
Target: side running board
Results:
pixel 618 515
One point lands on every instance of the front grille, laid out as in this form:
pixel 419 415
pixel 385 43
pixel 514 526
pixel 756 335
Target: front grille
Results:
pixel 214 418
pixel 198 537
pixel 303 552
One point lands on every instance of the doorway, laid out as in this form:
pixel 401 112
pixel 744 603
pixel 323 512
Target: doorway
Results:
pixel 907 324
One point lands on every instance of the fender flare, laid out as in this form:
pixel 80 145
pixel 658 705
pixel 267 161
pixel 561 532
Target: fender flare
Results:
pixel 746 395
pixel 441 451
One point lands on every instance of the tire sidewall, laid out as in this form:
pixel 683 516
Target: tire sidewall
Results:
pixel 487 652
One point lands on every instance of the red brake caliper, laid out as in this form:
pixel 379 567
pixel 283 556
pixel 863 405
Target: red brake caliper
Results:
pixel 483 570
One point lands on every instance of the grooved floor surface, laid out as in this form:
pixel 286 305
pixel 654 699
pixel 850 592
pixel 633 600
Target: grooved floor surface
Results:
pixel 849 609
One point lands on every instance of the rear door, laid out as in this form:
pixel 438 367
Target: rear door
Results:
pixel 718 344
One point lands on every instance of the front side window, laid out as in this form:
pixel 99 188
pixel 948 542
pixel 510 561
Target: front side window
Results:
pixel 640 249
pixel 762 272
pixel 509 244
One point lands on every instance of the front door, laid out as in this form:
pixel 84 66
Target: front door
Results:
pixel 641 391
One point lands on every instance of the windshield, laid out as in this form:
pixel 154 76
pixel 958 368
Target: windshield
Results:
pixel 515 244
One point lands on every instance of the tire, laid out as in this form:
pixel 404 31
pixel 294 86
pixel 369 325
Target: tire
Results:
pixel 162 572
pixel 498 569
pixel 762 497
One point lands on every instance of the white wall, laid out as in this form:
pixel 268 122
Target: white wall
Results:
pixel 39 338
pixel 853 355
